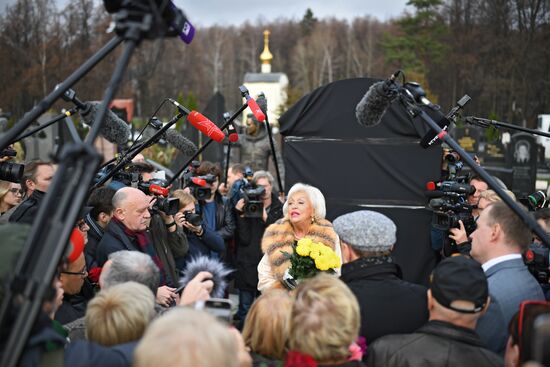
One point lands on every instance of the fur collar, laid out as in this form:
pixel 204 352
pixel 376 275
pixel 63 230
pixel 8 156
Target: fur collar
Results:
pixel 279 238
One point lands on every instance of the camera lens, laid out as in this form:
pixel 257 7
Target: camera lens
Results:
pixel 11 171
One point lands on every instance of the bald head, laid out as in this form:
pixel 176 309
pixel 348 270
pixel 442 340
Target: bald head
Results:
pixel 132 208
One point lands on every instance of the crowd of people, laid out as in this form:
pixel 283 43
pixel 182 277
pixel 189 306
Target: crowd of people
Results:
pixel 119 301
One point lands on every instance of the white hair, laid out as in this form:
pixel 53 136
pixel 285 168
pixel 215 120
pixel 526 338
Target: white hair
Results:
pixel 315 196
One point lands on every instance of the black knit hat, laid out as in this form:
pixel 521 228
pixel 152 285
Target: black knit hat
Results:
pixel 460 278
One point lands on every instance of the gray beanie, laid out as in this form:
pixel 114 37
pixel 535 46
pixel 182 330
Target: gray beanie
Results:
pixel 366 230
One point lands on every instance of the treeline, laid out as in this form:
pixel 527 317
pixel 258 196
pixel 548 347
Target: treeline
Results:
pixel 496 51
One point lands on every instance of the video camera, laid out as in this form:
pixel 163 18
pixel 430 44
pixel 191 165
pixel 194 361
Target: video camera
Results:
pixel 449 202
pixel 200 186
pixel 537 259
pixel 253 203
pixel 159 188
pixel 12 172
pixel 537 256
pixel 156 186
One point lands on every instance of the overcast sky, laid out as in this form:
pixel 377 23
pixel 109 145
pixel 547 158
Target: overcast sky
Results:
pixel 236 12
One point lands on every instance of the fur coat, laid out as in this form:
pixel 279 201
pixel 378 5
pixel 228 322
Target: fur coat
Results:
pixel 279 238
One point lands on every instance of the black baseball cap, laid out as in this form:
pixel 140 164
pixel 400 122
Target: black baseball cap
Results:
pixel 460 278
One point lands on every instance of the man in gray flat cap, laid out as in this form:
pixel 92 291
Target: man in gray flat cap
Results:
pixel 388 304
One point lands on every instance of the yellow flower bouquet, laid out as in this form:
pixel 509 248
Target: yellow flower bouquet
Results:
pixel 308 259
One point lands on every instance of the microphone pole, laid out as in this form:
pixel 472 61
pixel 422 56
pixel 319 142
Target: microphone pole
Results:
pixel 478 121
pixel 11 135
pixel 135 150
pixel 200 150
pixel 274 154
pixel 414 111
pixel 226 118
pixel 59 117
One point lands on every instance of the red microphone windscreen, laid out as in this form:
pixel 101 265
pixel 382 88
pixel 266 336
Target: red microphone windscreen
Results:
pixel 431 186
pixel 256 110
pixel 198 181
pixel 207 127
pixel 233 137
pixel 158 190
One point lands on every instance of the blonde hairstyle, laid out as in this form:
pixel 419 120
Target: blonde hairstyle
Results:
pixel 492 196
pixel 185 337
pixel 184 197
pixel 268 323
pixel 119 314
pixel 4 187
pixel 315 196
pixel 325 319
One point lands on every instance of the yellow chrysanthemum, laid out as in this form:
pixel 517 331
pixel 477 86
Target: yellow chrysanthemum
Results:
pixel 303 249
pixel 322 264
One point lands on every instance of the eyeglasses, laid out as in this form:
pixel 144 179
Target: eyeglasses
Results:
pixel 15 191
pixel 83 273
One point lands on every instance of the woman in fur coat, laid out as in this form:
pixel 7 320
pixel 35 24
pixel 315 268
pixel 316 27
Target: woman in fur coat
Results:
pixel 304 216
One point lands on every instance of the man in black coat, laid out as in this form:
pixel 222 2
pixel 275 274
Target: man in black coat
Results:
pixel 388 304
pixel 127 230
pixel 36 180
pixel 458 296
pixel 248 240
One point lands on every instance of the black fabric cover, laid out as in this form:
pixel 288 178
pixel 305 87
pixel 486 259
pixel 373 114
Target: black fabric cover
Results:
pixel 381 168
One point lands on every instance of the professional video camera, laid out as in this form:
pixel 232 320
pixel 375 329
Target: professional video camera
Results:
pixel 10 171
pixel 537 256
pixel 253 203
pixel 200 186
pixel 449 202
pixel 155 186
pixel 159 188
pixel 537 259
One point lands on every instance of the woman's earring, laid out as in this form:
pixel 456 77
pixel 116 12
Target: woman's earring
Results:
pixel 312 219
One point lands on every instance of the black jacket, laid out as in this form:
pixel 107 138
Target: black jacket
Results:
pixel 437 343
pixel 169 246
pixel 388 304
pixel 74 305
pixel 248 243
pixel 94 237
pixel 27 210
pixel 114 239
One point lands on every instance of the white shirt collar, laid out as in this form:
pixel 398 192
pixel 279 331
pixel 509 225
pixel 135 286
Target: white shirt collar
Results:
pixel 498 260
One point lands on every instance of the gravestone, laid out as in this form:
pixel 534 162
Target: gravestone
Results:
pixel 522 158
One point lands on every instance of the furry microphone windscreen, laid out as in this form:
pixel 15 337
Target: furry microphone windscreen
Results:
pixel 180 142
pixel 216 268
pixel 113 129
pixel 373 105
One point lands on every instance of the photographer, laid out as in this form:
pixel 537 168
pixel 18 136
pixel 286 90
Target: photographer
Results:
pixel 169 241
pixel 459 234
pixel 252 221
pixel 202 240
pixel 216 214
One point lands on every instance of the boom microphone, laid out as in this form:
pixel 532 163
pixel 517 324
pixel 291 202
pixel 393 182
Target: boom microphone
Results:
pixel 180 142
pixel 375 102
pixel 256 110
pixel 207 127
pixel 215 267
pixel 200 122
pixel 114 129
pixel 232 134
pixel 262 103
pixel 172 136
